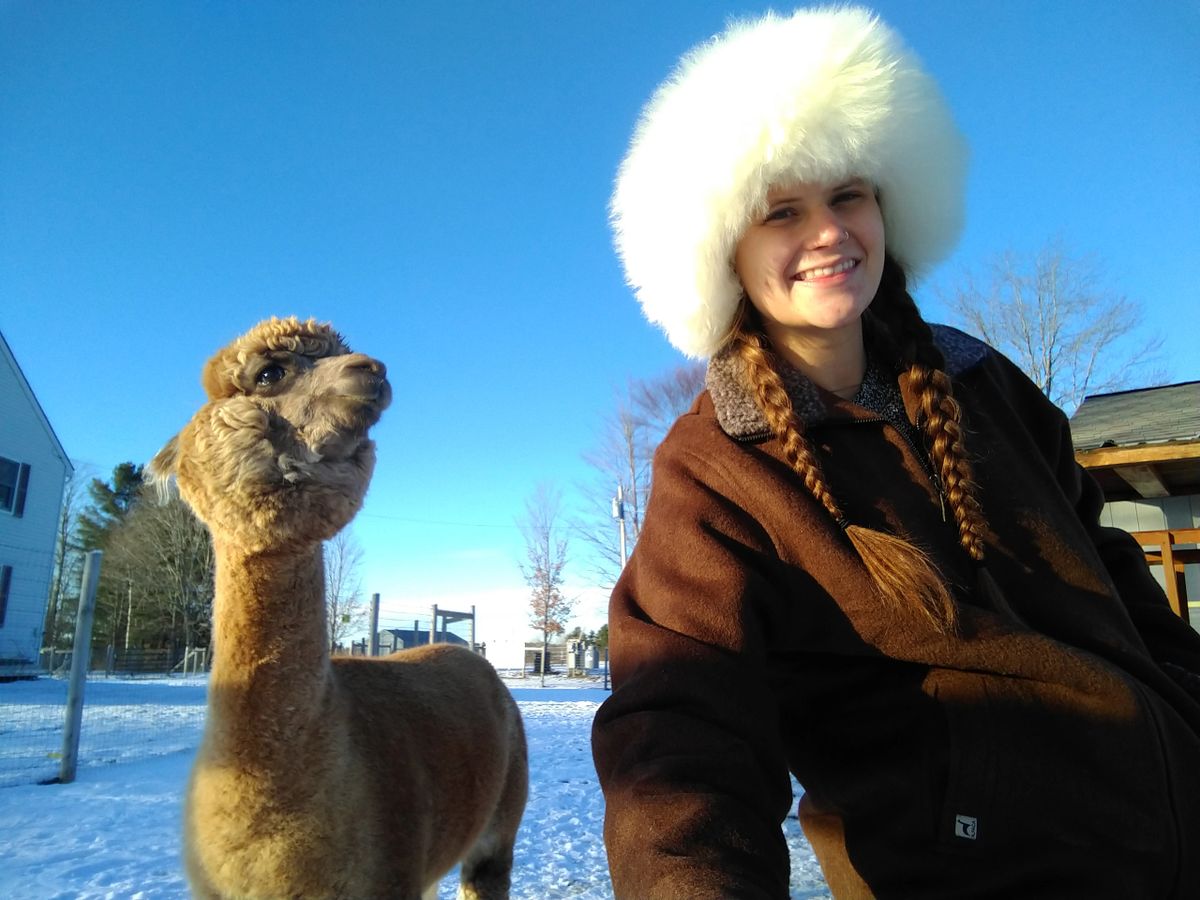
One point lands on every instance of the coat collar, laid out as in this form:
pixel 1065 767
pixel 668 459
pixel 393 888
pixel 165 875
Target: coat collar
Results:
pixel 740 417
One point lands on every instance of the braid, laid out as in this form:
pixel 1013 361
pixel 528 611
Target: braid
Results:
pixel 772 398
pixel 903 573
pixel 941 414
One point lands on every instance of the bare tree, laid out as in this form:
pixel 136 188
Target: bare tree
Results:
pixel 622 457
pixel 159 566
pixel 344 607
pixel 621 461
pixel 544 566
pixel 1053 317
pixel 68 564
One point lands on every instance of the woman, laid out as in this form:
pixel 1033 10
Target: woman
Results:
pixel 869 557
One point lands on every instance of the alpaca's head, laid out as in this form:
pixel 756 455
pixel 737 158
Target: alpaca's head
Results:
pixel 279 454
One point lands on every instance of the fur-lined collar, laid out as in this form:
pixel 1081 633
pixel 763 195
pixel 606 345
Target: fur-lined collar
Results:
pixel 740 417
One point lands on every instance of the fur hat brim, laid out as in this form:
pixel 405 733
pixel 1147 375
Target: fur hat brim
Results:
pixel 817 96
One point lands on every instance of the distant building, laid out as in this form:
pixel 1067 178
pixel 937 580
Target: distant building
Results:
pixel 1143 448
pixel 33 472
pixel 393 639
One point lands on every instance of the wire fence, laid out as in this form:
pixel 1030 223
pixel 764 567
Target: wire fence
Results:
pixel 144 702
pixel 124 719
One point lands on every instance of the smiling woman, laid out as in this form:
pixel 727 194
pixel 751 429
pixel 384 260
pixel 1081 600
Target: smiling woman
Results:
pixel 869 557
pixel 811 267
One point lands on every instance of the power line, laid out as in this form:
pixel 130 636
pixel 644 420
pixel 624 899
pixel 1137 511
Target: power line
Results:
pixel 412 521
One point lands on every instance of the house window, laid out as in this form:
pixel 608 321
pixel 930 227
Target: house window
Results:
pixel 5 582
pixel 14 483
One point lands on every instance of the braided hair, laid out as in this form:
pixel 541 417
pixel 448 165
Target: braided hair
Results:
pixel 940 414
pixel 902 571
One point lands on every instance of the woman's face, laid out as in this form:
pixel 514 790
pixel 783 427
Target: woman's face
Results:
pixel 812 264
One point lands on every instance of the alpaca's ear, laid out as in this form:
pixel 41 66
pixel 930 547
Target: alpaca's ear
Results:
pixel 160 469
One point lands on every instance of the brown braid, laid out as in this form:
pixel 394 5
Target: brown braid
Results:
pixel 941 414
pixel 772 398
pixel 903 573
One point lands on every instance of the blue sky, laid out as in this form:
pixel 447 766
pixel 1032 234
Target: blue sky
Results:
pixel 433 179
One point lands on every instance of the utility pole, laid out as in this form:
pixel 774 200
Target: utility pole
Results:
pixel 373 638
pixel 129 615
pixel 618 513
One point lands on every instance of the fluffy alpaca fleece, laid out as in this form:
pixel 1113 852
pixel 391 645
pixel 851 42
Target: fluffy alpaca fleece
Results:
pixel 320 777
pixel 819 95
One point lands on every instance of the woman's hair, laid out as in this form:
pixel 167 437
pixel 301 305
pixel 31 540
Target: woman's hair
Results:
pixel 903 572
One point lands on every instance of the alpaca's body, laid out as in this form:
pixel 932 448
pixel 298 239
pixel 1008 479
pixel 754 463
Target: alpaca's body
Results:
pixel 322 777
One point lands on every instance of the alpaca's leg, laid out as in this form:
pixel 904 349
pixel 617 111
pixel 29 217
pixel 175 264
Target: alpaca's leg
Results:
pixel 487 870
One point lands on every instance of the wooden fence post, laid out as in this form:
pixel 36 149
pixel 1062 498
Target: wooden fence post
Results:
pixel 81 658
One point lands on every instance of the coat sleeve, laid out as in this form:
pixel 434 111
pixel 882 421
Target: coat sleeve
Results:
pixel 1172 643
pixel 688 748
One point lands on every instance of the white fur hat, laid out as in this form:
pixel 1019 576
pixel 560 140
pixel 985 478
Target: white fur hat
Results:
pixel 820 95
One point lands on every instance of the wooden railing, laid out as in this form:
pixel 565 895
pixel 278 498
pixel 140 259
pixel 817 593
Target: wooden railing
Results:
pixel 1163 549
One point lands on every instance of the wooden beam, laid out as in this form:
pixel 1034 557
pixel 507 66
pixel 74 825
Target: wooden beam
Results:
pixel 1177 598
pixel 1143 479
pixel 1142 454
pixel 1172 560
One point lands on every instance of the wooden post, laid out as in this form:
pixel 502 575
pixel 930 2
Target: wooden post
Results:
pixel 373 641
pixel 1173 560
pixel 81 658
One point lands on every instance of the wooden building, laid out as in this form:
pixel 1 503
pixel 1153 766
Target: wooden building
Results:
pixel 1143 448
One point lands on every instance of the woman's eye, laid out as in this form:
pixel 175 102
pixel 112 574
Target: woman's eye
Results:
pixel 777 215
pixel 270 374
pixel 846 196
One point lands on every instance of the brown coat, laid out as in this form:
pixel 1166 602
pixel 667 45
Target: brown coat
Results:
pixel 1049 750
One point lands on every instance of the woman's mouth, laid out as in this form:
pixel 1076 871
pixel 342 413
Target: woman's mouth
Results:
pixel 816 272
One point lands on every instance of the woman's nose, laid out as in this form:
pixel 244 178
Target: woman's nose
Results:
pixel 825 229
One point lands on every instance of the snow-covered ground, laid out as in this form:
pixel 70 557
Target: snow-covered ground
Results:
pixel 114 832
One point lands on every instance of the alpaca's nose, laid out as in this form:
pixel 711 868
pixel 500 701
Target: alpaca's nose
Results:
pixel 362 361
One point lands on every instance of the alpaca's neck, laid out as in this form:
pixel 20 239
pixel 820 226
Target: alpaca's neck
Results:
pixel 271 658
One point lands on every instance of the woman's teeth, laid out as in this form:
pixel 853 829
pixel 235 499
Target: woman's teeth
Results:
pixel 827 271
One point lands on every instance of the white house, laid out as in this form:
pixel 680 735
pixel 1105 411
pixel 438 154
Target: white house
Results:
pixel 33 472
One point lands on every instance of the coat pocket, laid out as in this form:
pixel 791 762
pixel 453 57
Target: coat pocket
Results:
pixel 967 817
pixel 1041 769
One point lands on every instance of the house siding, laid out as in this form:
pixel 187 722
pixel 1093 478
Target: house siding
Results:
pixel 27 542
pixel 1161 514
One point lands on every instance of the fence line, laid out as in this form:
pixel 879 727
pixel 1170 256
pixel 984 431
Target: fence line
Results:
pixel 122 720
pixel 69 716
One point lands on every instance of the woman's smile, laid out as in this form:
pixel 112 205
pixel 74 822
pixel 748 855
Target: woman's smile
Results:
pixel 826 272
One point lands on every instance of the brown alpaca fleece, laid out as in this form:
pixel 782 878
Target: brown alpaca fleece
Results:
pixel 321 777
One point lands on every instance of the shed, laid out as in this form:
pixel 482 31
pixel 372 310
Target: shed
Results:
pixel 392 639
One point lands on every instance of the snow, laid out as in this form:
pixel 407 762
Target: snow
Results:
pixel 114 831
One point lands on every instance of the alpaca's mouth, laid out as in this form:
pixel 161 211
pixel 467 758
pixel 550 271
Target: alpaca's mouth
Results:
pixel 369 406
pixel 378 399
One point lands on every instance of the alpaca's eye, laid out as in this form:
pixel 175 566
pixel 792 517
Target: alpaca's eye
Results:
pixel 270 374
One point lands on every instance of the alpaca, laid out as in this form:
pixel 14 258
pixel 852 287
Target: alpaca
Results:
pixel 317 776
